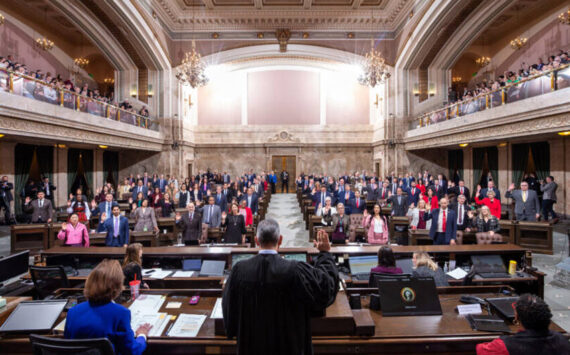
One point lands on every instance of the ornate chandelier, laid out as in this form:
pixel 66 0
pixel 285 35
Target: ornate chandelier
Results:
pixel 44 43
pixel 483 61
pixel 2 18
pixel 564 17
pixel 375 70
pixel 191 71
pixel 518 42
pixel 81 62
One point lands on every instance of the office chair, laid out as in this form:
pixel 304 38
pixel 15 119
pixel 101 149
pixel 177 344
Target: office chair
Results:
pixel 51 346
pixel 47 279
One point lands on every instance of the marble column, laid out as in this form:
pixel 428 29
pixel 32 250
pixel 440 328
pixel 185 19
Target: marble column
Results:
pixel 468 168
pixel 98 174
pixel 559 165
pixel 503 168
pixel 60 176
pixel 8 164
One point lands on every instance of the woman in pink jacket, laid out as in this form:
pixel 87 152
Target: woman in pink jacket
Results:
pixel 376 226
pixel 74 234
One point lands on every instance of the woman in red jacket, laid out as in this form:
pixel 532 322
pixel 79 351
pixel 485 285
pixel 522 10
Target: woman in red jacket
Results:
pixel 246 212
pixel 431 199
pixel 490 201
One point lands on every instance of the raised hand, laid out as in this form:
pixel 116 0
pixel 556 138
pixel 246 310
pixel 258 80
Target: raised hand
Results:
pixel 478 188
pixel 63 226
pixel 178 216
pixel 27 200
pixel 69 203
pixel 93 204
pixel 322 242
pixel 512 187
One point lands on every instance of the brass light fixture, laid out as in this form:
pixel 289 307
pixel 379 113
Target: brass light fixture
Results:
pixel 375 70
pixel 44 43
pixel 483 61
pixel 2 18
pixel 109 81
pixel 463 145
pixel 192 69
pixel 456 79
pixel 81 62
pixel 564 133
pixel 519 41
pixel 564 17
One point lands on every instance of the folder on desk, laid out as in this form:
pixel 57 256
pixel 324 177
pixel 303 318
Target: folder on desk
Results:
pixel 486 323
pixel 191 264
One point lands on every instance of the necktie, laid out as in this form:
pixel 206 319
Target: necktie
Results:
pixel 346 196
pixel 116 232
pixel 399 200
pixel 460 214
pixel 41 203
pixel 524 196
pixel 357 203
pixel 47 189
pixel 107 209
pixel 383 192
pixel 413 191
pixel 322 199
pixel 191 216
pixel 443 222
pixel 462 190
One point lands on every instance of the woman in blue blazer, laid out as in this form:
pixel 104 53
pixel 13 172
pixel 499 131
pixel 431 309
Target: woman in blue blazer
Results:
pixel 100 317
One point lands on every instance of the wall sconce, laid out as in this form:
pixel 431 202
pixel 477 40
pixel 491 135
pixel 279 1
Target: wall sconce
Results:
pixel 378 99
pixel 463 145
pixel 431 90
pixel 103 146
pixel 416 89
pixel 150 91
pixel 189 101
pixel 456 79
pixel 134 90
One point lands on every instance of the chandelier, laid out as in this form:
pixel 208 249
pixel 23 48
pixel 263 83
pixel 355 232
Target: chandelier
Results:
pixel 109 81
pixel 191 71
pixel 564 17
pixel 518 42
pixel 44 43
pixel 2 18
pixel 456 79
pixel 375 70
pixel 81 62
pixel 483 61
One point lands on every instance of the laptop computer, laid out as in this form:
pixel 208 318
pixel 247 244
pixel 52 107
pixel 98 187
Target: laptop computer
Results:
pixel 213 268
pixel 408 297
pixel 489 266
pixel 360 266
pixel 407 265
pixel 33 316
pixel 503 306
pixel 191 264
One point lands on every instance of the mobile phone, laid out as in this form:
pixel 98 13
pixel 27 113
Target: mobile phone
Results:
pixel 194 300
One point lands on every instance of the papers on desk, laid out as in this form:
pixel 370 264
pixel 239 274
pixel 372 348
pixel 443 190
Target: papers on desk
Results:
pixel 60 328
pixel 158 274
pixel 184 274
pixel 157 320
pixel 458 273
pixel 217 311
pixel 187 325
pixel 146 304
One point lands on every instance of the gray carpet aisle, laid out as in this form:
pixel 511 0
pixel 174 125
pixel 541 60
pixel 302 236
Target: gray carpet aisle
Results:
pixel 285 209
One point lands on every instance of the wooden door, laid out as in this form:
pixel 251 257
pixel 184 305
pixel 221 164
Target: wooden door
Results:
pixel 287 163
pixel 189 171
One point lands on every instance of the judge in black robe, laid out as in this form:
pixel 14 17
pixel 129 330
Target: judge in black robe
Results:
pixel 268 301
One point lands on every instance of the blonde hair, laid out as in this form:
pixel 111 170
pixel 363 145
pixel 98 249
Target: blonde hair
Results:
pixel 423 259
pixel 488 212
pixel 105 282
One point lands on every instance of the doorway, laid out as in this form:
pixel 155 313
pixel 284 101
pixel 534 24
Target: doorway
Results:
pixel 287 163
pixel 189 171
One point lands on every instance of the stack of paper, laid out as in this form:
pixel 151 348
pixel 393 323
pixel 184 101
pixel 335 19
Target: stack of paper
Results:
pixel 457 274
pixel 217 311
pixel 156 274
pixel 157 320
pixel 147 304
pixel 187 325
pixel 184 274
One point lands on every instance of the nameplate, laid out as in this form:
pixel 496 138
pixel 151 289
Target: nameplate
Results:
pixel 469 309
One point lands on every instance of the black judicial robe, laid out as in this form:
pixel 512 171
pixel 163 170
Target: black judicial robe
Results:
pixel 268 301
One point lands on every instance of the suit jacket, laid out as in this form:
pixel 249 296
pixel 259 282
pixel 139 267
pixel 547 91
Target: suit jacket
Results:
pixel 215 215
pixel 6 190
pixel 109 320
pixel 549 191
pixel 483 193
pixel 393 187
pixel 226 178
pixel 415 197
pixel 49 188
pixel 317 197
pixel 382 191
pixel 157 183
pixel 371 192
pixel 221 201
pixel 254 205
pixel 466 219
pixel 342 197
pixel 135 191
pixel 101 208
pixel 457 191
pixel 439 191
pixel 39 215
pixel 345 222
pixel 451 224
pixel 184 198
pixel 191 229
pixel 124 232
pixel 144 219
pixel 399 209
pixel 361 206
pixel 529 208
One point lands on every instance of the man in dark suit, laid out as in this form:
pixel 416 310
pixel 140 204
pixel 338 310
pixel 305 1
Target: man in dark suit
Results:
pixel 345 198
pixel 399 203
pixel 413 194
pixel 357 204
pixel 252 200
pixel 438 189
pixel 212 214
pixel 190 224
pixel 461 210
pixel 291 291
pixel 5 198
pixel 140 188
pixel 383 191
pixel 527 207
pixel 461 189
pixel 226 178
pixel 146 179
pixel 41 208
pixel 47 187
pixel 221 199
pixel 372 190
pixel 284 181
pixel 320 197
pixel 117 228
pixel 443 229
pixel 393 186
pixel 105 206
pixel 490 186
pixel 160 183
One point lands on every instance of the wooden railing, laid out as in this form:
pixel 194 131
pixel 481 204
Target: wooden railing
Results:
pixel 535 85
pixel 27 86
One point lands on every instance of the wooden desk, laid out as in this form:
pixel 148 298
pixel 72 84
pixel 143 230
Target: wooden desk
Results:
pixel 536 236
pixel 29 236
pixel 400 222
pixel 419 237
pixel 508 230
pixel 314 221
pixel 148 238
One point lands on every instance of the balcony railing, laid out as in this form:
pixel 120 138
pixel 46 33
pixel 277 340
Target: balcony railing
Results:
pixel 27 86
pixel 536 85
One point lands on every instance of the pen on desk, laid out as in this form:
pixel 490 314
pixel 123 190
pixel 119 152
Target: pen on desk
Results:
pixel 169 328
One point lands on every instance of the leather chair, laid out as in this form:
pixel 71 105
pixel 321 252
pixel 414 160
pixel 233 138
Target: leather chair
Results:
pixel 49 345
pixel 486 238
pixel 355 223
